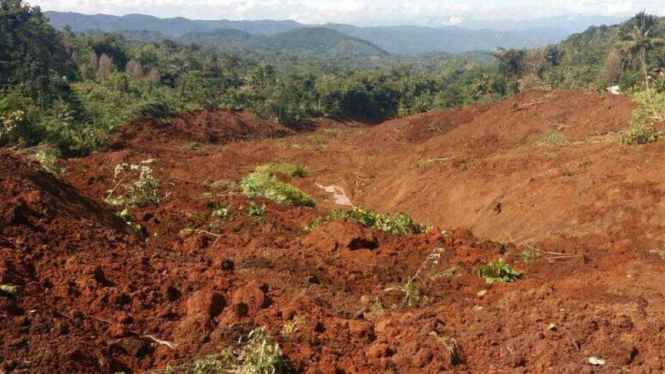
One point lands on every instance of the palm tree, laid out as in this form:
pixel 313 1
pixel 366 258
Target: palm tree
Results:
pixel 639 37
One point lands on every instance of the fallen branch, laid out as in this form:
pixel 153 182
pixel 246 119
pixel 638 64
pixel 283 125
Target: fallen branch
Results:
pixel 159 341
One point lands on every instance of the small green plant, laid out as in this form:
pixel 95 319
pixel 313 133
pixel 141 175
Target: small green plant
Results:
pixel 499 272
pixel 397 224
pixel 552 140
pixel 255 210
pixel 530 254
pixel 220 211
pixel 49 158
pixel 9 289
pixel 259 355
pixel 264 183
pixel 130 221
pixel 138 184
pixel 641 134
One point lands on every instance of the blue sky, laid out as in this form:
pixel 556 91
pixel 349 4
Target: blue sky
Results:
pixel 360 12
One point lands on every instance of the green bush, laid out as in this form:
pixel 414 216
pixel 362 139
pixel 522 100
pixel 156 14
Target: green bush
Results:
pixel 499 272
pixel 650 108
pixel 263 183
pixel 397 224
pixel 154 109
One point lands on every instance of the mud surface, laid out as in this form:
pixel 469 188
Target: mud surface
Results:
pixel 94 298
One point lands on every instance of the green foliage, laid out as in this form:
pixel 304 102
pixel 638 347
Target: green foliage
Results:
pixel 9 289
pixel 154 109
pixel 48 159
pixel 135 186
pixel 530 254
pixel 499 272
pixel 650 109
pixel 397 224
pixel 255 210
pixel 263 182
pixel 259 355
pixel 130 221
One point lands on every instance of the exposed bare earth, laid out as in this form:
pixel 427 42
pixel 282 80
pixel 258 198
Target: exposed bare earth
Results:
pixel 93 298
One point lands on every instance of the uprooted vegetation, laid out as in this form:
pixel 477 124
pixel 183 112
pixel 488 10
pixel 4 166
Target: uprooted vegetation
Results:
pixel 135 185
pixel 258 355
pixel 264 182
pixel 397 224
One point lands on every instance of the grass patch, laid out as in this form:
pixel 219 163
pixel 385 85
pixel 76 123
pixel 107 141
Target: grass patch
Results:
pixel 530 254
pixel 263 182
pixel 499 272
pixel 285 169
pixel 397 224
pixel 552 140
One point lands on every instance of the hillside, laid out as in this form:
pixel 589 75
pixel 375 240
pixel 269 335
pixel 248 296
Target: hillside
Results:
pixel 393 39
pixel 318 40
pixel 415 40
pixel 221 38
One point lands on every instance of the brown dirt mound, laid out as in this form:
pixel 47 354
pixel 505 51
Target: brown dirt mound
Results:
pixel 92 300
pixel 205 127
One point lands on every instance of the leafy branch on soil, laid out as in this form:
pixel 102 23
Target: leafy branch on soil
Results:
pixel 263 182
pixel 397 224
pixel 260 355
pixel 499 272
pixel 413 295
pixel 285 169
pixel 139 187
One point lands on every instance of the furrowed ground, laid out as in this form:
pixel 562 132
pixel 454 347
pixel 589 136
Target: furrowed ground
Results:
pixel 539 181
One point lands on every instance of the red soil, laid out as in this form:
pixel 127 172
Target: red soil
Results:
pixel 92 298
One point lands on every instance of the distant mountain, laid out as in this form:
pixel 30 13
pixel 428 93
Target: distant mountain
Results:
pixel 416 39
pixel 318 41
pixel 170 27
pixel 393 39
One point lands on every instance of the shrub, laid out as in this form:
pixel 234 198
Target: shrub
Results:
pixel 264 183
pixel 397 224
pixel 499 272
pixel 48 159
pixel 154 109
pixel 139 185
pixel 640 134
pixel 650 109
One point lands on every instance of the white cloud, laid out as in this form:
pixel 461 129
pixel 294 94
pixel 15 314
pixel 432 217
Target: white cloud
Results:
pixel 361 12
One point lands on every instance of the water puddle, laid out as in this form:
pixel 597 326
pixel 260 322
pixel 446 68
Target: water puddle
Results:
pixel 339 197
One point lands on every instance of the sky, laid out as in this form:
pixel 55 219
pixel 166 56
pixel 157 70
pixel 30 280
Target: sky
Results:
pixel 361 12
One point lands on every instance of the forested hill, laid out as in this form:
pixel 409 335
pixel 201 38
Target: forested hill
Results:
pixel 393 39
pixel 598 57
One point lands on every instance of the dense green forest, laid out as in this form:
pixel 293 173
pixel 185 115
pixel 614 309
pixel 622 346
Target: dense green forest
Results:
pixel 71 90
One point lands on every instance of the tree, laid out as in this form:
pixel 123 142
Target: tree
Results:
pixel 638 37
pixel 32 56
